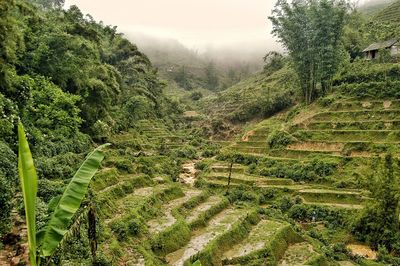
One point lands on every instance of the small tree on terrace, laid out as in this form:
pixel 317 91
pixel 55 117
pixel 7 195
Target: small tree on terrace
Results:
pixel 311 30
pixel 379 223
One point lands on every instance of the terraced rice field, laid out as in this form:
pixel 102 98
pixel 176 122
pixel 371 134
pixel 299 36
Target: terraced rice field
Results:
pixel 167 219
pixel 205 213
pixel 203 208
pixel 258 239
pixel 298 254
pixel 216 226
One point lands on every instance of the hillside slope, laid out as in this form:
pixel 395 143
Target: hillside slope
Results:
pixel 371 8
pixel 256 97
pixel 390 14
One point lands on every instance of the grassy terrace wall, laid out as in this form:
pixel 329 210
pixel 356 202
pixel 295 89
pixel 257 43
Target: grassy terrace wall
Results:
pixel 212 253
pixel 272 252
pixel 178 235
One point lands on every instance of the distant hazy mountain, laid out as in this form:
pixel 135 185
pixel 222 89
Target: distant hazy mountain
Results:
pixel 169 56
pixel 372 7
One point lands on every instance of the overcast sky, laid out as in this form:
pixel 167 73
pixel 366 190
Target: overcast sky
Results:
pixel 240 25
pixel 197 24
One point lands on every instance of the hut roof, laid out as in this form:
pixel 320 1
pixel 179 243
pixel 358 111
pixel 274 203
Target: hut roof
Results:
pixel 381 45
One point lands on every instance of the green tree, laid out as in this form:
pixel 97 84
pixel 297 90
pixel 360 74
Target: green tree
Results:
pixel 11 43
pixel 212 81
pixel 273 62
pixel 379 224
pixel 183 79
pixel 311 31
pixel 49 4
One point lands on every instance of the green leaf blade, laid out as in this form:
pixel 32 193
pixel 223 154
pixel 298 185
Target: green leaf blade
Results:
pixel 70 202
pixel 29 185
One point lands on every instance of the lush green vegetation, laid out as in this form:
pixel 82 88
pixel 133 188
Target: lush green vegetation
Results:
pixel 315 54
pixel 307 169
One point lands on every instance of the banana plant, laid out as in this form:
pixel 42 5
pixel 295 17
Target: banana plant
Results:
pixel 45 243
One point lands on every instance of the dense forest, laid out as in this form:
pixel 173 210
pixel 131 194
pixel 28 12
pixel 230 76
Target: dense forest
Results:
pixel 203 163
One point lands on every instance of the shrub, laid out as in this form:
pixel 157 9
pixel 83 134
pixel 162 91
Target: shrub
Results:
pixel 279 139
pixel 201 165
pixel 8 165
pixel 334 217
pixel 48 189
pixel 171 239
pixel 315 170
pixel 60 166
pixel 6 196
pixel 187 152
pixel 8 179
pixel 196 95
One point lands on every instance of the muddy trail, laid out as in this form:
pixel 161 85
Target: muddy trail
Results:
pixel 188 174
pixel 15 250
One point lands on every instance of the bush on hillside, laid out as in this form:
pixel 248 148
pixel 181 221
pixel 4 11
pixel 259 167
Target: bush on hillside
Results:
pixel 48 189
pixel 262 107
pixel 6 195
pixel 315 170
pixel 279 139
pixel 185 152
pixel 239 158
pixel 372 89
pixel 306 213
pixel 378 223
pixel 364 72
pixel 196 95
pixel 61 166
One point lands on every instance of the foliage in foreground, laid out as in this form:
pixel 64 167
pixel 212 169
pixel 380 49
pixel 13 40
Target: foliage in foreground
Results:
pixel 68 204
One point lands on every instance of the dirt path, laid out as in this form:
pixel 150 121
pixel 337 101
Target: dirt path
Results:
pixel 15 251
pixel 188 175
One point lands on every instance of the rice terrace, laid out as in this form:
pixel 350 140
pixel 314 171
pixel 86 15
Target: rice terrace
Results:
pixel 188 132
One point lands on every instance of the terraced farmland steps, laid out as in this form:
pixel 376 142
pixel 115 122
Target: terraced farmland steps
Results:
pixel 218 225
pixel 299 254
pixel 258 240
pixel 312 194
pixel 167 219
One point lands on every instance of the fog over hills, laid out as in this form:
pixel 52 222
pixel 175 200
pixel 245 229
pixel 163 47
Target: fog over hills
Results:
pixel 164 52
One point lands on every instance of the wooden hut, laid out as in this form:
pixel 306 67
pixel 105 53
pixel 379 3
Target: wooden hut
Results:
pixel 372 51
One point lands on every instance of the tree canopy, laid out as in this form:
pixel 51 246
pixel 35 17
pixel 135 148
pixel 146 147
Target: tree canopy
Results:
pixel 311 31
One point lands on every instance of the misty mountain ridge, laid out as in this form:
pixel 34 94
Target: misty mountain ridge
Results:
pixel 372 7
pixel 176 52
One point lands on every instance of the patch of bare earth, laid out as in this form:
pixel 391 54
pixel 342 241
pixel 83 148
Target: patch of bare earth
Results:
pixel 15 251
pixel 387 104
pixel 366 104
pixel 362 154
pixel 190 114
pixel 246 136
pixel 362 251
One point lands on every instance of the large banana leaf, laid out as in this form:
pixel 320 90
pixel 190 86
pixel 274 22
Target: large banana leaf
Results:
pixel 29 184
pixel 69 203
